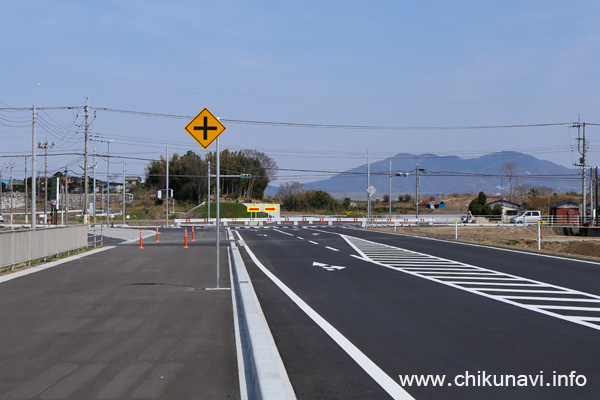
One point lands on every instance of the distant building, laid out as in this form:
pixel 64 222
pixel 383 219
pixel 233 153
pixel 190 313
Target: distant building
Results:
pixel 433 204
pixel 509 208
pixel 566 212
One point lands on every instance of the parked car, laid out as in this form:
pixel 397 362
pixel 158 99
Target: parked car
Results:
pixel 1 218
pixel 527 217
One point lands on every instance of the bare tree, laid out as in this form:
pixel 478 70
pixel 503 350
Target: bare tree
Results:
pixel 509 169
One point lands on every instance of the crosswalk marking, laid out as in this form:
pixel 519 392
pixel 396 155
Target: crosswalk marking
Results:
pixel 507 288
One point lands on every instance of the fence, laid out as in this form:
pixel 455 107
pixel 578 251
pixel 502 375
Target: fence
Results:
pixel 25 245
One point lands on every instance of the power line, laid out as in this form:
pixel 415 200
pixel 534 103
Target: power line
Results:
pixel 331 126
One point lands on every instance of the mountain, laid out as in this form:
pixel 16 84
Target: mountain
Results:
pixel 450 174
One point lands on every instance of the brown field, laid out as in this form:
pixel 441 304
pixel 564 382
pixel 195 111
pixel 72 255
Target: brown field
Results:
pixel 515 237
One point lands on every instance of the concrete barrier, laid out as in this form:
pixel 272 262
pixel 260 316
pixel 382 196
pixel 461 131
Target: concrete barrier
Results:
pixel 265 374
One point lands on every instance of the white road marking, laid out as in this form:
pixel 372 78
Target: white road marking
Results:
pixel 489 283
pixel 285 233
pixel 331 248
pixel 310 241
pixel 327 267
pixel 384 380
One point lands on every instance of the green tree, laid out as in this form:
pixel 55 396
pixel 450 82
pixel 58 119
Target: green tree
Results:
pixel 320 200
pixel 477 206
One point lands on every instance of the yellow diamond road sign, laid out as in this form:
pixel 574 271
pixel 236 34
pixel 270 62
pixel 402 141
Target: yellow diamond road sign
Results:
pixel 205 128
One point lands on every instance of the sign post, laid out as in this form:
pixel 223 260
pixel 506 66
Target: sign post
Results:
pixel 206 128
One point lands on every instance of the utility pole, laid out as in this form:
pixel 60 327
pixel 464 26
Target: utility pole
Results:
pixel 45 146
pixel 94 189
pixel 390 191
pixel 33 169
pixel 167 194
pixel 11 165
pixel 1 207
pixel 368 184
pixel 25 183
pixel 85 163
pixel 124 182
pixel 594 195
pixel 582 148
pixel 417 183
pixel 108 185
pixel 66 196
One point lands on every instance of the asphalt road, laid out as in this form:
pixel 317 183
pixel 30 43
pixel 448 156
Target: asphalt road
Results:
pixel 495 324
pixel 125 323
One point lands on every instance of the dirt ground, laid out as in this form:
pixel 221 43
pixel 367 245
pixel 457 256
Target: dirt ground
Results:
pixel 515 237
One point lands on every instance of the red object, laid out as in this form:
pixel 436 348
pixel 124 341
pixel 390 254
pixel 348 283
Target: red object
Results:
pixel 193 239
pixel 141 246
pixel 185 245
pixel 157 234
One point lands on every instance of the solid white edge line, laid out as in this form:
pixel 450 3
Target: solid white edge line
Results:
pixel 383 379
pixel 238 340
pixel 33 270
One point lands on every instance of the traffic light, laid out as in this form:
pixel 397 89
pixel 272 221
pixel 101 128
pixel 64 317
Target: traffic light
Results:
pixel 245 175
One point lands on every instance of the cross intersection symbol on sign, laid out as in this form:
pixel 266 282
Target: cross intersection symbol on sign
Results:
pixel 205 128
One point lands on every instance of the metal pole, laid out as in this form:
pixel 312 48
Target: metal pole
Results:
pixel 456 228
pixel 124 192
pixel 25 183
pixel 66 196
pixel 1 206
pixel 33 170
pixel 218 195
pixel 368 186
pixel 11 193
pixel 108 185
pixel 62 204
pixel 167 195
pixel 208 201
pixel 583 178
pixel 94 190
pixel 417 193
pixel 85 164
pixel 390 193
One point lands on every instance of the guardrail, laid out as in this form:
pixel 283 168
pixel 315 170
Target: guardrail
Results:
pixel 304 220
pixel 394 221
pixel 18 246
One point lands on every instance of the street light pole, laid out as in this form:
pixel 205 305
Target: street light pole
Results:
pixel 368 185
pixel 390 191
pixel 417 183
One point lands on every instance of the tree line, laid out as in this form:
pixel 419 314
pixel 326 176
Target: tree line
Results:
pixel 188 174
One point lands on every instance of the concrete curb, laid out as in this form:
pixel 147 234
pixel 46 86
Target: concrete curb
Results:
pixel 266 377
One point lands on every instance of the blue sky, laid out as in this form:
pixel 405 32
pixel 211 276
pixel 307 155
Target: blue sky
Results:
pixel 381 63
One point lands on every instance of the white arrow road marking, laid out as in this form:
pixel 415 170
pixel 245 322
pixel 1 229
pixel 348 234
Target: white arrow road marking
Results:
pixel 327 266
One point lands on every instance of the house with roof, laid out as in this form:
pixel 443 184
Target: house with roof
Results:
pixel 509 208
pixel 566 212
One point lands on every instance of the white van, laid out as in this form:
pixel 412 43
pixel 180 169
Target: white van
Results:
pixel 526 217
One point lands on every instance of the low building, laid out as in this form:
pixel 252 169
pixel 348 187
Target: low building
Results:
pixel 509 208
pixel 433 204
pixel 566 212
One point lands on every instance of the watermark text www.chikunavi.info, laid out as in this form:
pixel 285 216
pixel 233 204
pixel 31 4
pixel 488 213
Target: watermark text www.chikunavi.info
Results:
pixel 483 379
